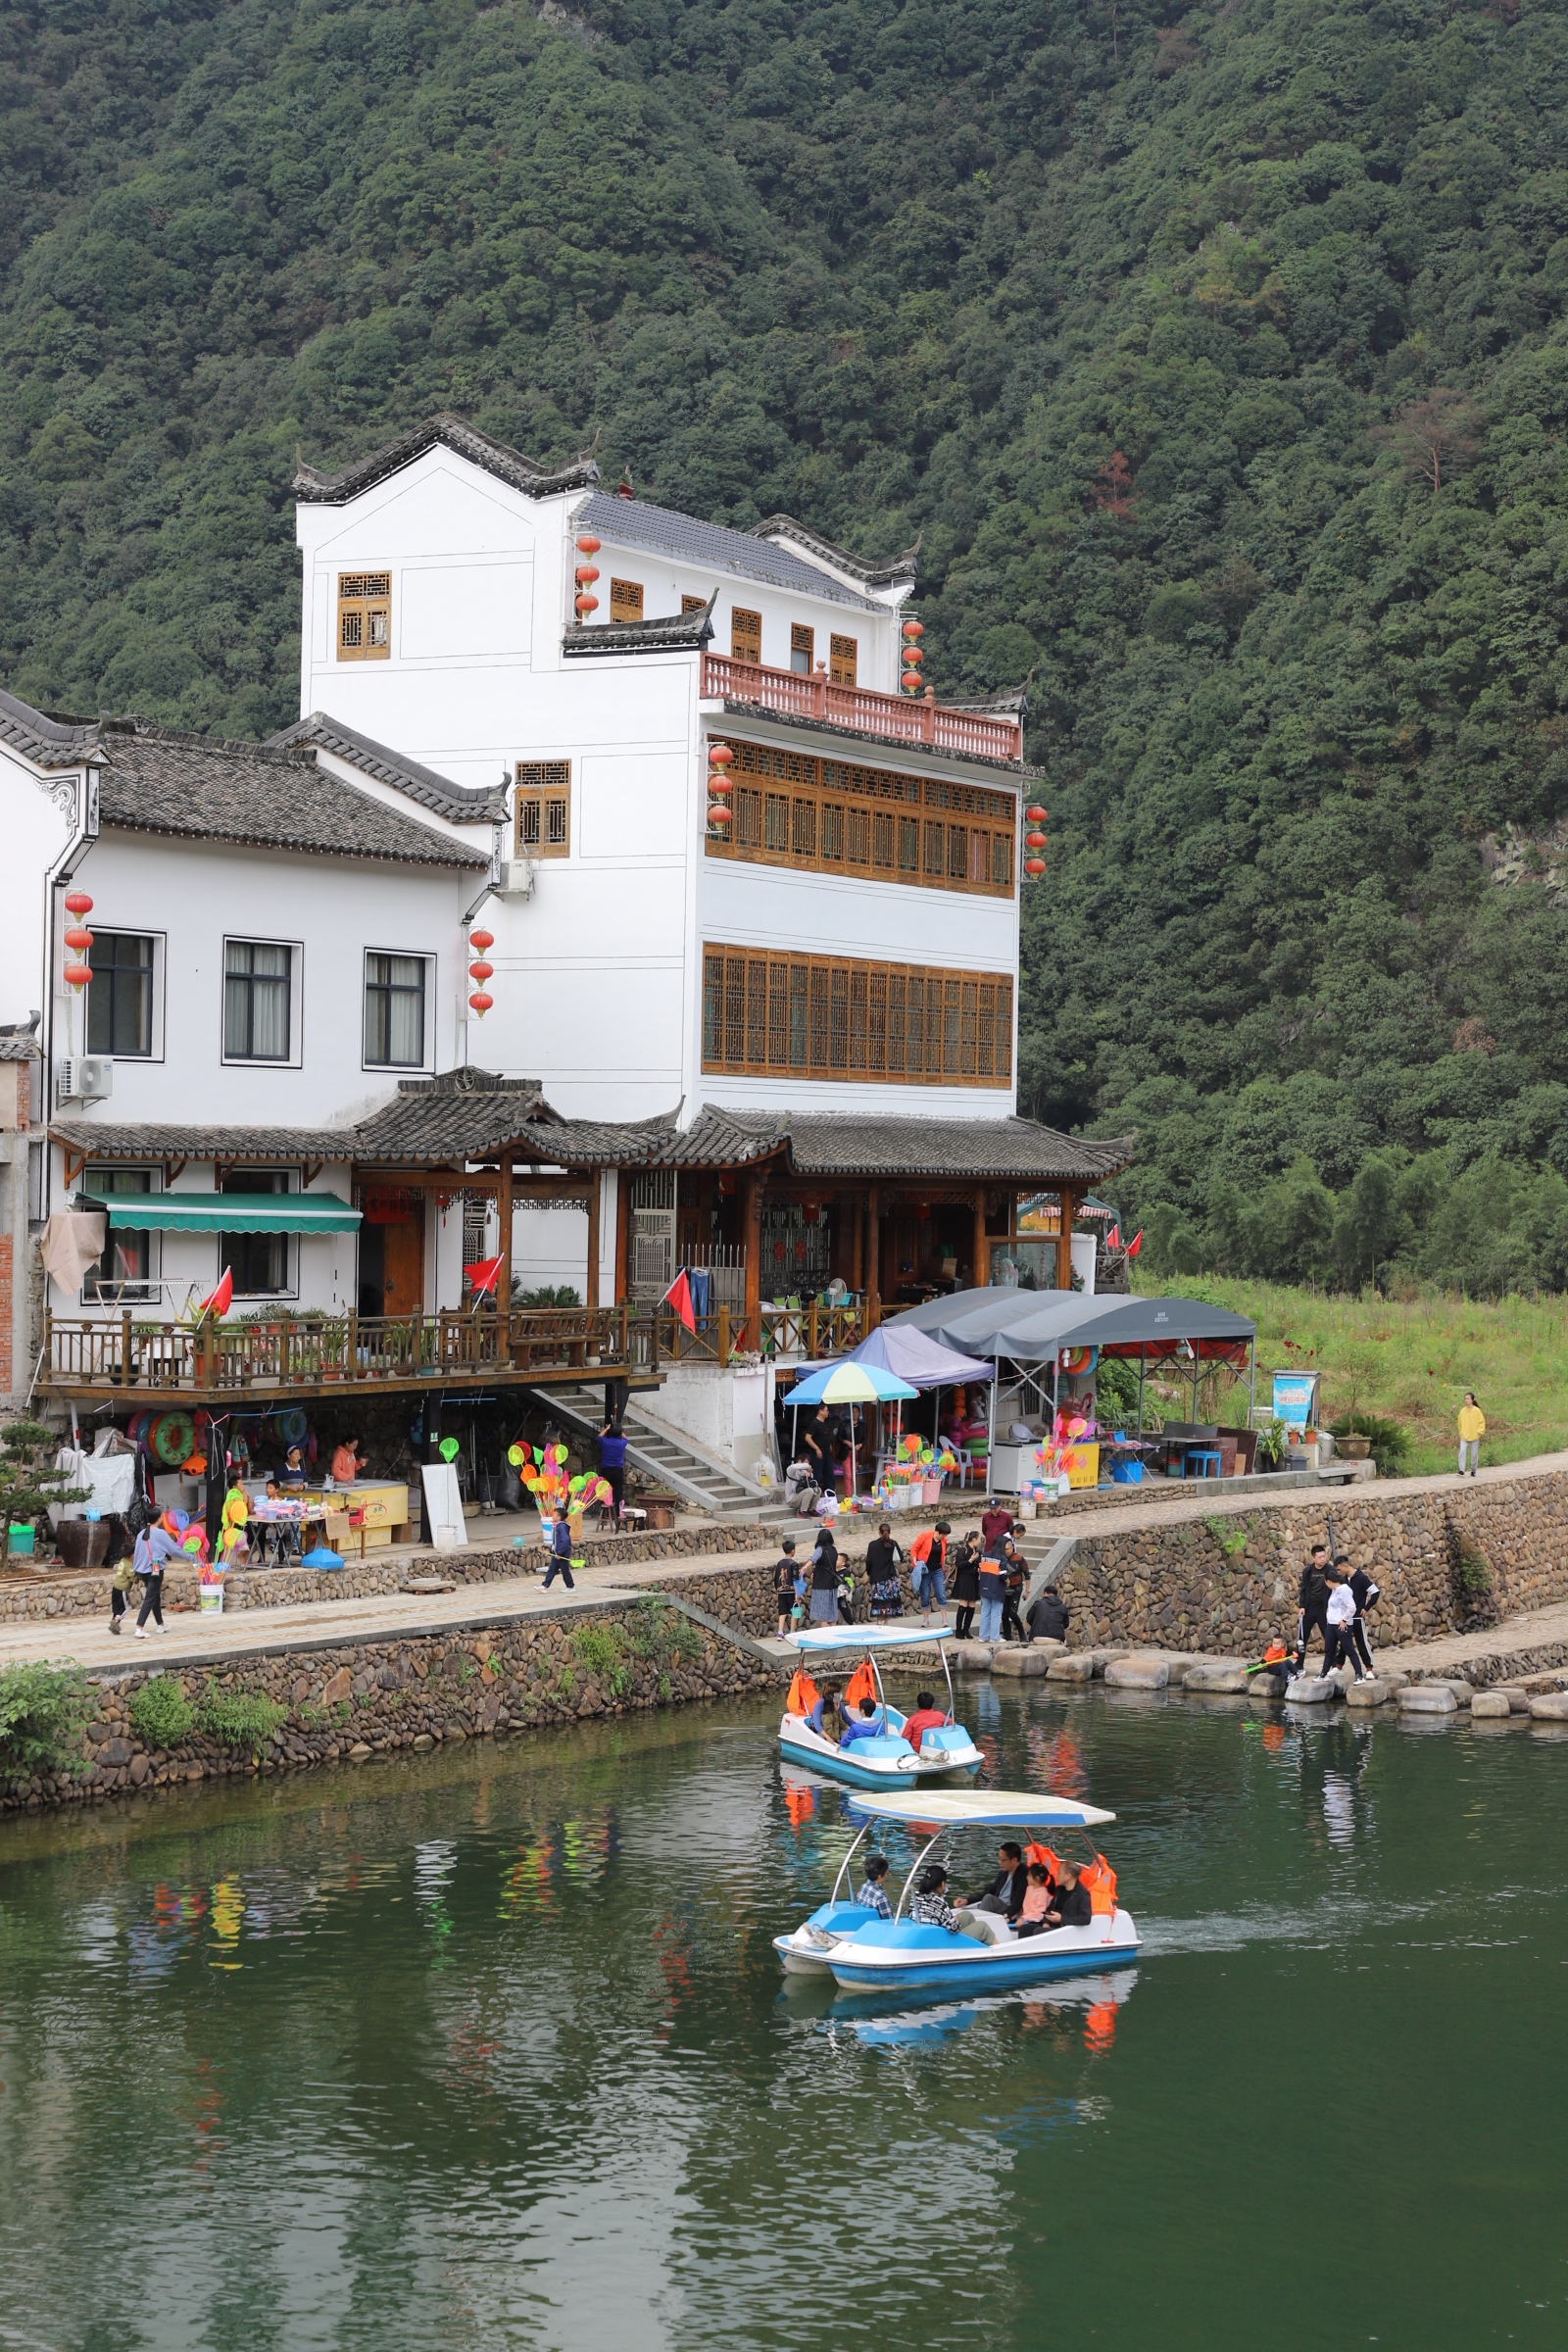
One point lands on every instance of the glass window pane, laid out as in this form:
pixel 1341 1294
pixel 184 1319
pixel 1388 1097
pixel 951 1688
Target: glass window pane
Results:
pixel 270 1020
pixel 406 1042
pixel 236 1015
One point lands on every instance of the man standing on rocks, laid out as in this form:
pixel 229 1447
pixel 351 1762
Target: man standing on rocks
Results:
pixel 1340 1649
pixel 1366 1593
pixel 1312 1598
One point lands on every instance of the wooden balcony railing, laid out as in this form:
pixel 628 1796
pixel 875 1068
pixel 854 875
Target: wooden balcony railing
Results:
pixel 126 1355
pixel 903 719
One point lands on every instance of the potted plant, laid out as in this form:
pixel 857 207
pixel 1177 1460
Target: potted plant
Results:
pixel 1272 1439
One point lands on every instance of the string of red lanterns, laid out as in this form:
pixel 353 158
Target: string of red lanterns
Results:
pixel 586 574
pixel 1034 841
pixel 79 939
pixel 719 758
pixel 912 680
pixel 480 970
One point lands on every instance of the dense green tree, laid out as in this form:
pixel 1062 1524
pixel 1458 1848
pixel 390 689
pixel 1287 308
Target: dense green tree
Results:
pixel 1218 359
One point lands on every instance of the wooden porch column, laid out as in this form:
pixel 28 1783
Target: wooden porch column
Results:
pixel 1065 1241
pixel 873 1253
pixel 503 1181
pixel 752 1227
pixel 982 1248
pixel 857 1247
pixel 595 1185
pixel 622 1230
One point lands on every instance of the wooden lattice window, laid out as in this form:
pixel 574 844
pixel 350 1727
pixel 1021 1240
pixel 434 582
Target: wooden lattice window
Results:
pixel 544 809
pixel 803 648
pixel 767 1015
pixel 843 654
pixel 625 600
pixel 363 615
pixel 745 635
pixel 835 816
pixel 694 604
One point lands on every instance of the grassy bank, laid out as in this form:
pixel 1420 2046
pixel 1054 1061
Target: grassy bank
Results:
pixel 1411 1361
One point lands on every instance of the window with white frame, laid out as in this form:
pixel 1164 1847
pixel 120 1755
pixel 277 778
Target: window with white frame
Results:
pixel 394 1010
pixel 122 998
pixel 262 1264
pixel 258 1000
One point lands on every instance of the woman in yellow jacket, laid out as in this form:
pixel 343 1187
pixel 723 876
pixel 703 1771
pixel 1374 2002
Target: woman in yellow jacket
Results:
pixel 1472 1429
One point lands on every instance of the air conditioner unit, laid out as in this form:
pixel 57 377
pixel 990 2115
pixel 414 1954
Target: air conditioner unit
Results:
pixel 516 878
pixel 87 1079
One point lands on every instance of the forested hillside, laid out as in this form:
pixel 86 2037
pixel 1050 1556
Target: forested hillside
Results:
pixel 1218 359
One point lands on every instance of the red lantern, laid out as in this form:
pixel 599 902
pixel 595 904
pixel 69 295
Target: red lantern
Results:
pixel 1033 867
pixel 587 573
pixel 587 605
pixel 718 784
pixel 1035 814
pixel 79 939
pixel 718 813
pixel 78 902
pixel 911 681
pixel 481 940
pixel 719 755
pixel 588 545
pixel 79 974
pixel 480 969
pixel 1034 841
pixel 481 1002
pixel 914 628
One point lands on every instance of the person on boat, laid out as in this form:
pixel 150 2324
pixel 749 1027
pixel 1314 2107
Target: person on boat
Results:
pixel 1036 1906
pixel 1050 1617
pixel 825 1579
pixel 927 1717
pixel 964 1562
pixel 1071 1907
pixel 932 1909
pixel 871 1894
pixel 784 1576
pixel 867 1725
pixel 882 1557
pixel 1007 1890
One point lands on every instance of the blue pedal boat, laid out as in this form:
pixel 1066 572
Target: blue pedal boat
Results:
pixel 886 1760
pixel 865 1953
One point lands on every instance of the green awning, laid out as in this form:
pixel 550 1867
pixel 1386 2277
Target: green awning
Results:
pixel 227 1213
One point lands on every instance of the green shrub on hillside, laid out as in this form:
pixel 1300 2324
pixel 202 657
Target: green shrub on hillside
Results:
pixel 44 1710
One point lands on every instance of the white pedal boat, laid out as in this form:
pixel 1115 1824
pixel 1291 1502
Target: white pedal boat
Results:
pixel 886 1761
pixel 865 1953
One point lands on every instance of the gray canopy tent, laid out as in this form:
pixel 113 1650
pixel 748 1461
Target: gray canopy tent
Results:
pixel 1031 1329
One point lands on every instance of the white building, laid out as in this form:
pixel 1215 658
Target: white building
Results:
pixel 761 1022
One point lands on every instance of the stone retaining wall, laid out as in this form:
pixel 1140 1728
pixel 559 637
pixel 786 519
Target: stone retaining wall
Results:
pixel 87 1596
pixel 414 1692
pixel 1183 1588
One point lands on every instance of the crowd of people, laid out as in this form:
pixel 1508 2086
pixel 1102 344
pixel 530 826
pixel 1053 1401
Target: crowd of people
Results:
pixel 982 1573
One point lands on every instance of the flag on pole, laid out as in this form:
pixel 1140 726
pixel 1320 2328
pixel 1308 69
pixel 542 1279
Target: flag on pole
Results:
pixel 219 1300
pixel 1113 1237
pixel 483 1274
pixel 679 1297
pixel 1135 1243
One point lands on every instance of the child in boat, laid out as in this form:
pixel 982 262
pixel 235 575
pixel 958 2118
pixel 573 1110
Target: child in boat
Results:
pixel 1032 1911
pixel 872 1894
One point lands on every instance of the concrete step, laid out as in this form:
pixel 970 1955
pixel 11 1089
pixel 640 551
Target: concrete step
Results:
pixel 707 1485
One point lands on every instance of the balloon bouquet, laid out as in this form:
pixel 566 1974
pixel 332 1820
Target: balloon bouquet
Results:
pixel 1057 1456
pixel 543 1472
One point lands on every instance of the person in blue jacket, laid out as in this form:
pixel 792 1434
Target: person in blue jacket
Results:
pixel 560 1551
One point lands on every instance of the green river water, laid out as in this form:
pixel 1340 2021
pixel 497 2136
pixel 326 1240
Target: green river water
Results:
pixel 491 2050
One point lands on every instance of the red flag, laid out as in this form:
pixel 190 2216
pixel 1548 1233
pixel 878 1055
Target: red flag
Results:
pixel 679 1297
pixel 223 1299
pixel 1135 1243
pixel 1113 1237
pixel 483 1274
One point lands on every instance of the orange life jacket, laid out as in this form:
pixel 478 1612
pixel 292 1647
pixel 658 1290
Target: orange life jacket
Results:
pixel 860 1684
pixel 803 1694
pixel 1043 1853
pixel 1101 1881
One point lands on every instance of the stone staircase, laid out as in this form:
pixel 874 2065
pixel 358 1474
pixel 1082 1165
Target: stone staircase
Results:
pixel 702 1482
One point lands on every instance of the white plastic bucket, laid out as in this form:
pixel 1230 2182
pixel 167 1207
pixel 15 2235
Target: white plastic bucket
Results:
pixel 210 1599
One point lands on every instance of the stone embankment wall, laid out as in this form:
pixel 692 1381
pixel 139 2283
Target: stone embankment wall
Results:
pixel 414 1692
pixel 87 1596
pixel 1447 1562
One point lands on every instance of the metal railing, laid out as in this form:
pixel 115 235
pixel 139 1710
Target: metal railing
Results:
pixel 901 718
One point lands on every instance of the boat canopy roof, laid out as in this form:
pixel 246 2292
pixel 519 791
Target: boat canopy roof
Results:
pixel 982 1808
pixel 868 1636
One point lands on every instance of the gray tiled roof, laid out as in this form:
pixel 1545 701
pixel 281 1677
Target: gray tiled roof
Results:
pixel 680 632
pixel 433 1122
pixel 19 1049
pixel 462 805
pixel 157 781
pixel 48 742
pixel 315 488
pixel 870 575
pixel 709 547
pixel 840 1144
